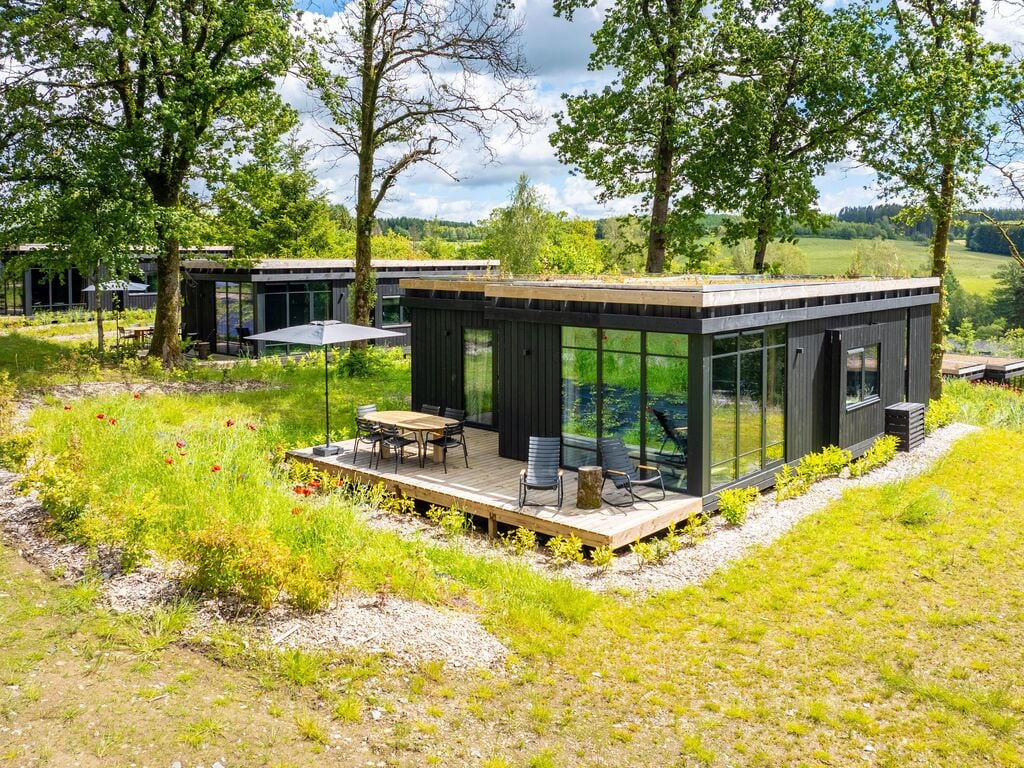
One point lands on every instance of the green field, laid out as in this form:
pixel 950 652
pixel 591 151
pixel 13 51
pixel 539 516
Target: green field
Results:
pixel 826 256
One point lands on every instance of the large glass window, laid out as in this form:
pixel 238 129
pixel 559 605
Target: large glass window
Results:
pixel 12 291
pixel 748 403
pixel 862 375
pixel 626 384
pixel 60 291
pixel 477 375
pixel 288 304
pixel 392 312
pixel 234 314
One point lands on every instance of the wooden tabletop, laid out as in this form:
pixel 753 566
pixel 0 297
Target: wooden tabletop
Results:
pixel 411 420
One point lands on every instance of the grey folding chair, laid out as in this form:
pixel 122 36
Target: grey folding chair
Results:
pixel 542 471
pixel 624 474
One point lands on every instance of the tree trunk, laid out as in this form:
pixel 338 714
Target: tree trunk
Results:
pixel 940 264
pixel 664 154
pixel 363 298
pixel 99 322
pixel 760 248
pixel 166 343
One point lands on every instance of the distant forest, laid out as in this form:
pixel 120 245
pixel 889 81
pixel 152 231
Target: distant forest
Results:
pixel 865 222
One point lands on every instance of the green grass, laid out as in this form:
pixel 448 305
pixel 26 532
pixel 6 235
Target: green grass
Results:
pixel 974 270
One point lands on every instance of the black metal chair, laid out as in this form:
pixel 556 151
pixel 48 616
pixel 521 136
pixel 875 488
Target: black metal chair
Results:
pixel 397 440
pixel 433 410
pixel 367 432
pixel 542 471
pixel 619 468
pixel 455 413
pixel 453 436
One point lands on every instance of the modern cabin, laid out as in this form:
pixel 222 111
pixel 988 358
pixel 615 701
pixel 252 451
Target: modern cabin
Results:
pixel 224 302
pixel 26 289
pixel 715 381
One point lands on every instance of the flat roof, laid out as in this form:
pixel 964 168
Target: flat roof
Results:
pixel 682 290
pixel 284 265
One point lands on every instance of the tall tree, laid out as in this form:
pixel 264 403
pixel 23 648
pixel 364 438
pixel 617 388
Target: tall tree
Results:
pixel 174 88
pixel 273 208
pixel 797 94
pixel 936 89
pixel 631 137
pixel 518 233
pixel 401 82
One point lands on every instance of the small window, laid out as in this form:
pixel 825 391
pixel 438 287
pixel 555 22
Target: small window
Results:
pixel 392 311
pixel 862 375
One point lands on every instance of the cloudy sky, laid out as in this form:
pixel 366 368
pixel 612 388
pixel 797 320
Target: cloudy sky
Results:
pixel 557 51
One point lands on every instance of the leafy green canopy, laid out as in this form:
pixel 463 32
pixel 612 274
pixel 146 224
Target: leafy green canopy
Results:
pixel 163 95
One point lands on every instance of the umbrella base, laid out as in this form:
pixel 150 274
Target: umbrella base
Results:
pixel 326 450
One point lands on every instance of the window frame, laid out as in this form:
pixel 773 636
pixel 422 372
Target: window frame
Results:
pixel 863 401
pixel 403 318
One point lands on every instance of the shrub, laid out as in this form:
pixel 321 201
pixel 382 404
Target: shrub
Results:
pixel 15 450
pixel 650 551
pixel 925 507
pixel 734 503
pixel 940 413
pixel 697 528
pixel 124 523
pixel 519 540
pixel 602 557
pixel 881 452
pixel 452 520
pixel 828 462
pixel 565 549
pixel 226 559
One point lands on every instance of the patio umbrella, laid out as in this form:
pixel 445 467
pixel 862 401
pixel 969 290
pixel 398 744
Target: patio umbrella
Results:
pixel 322 333
pixel 113 286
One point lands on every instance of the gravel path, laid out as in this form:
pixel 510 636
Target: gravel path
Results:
pixel 766 522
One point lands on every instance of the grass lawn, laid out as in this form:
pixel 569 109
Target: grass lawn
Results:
pixel 855 638
pixel 974 270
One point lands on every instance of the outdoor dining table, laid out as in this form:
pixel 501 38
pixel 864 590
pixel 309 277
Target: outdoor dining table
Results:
pixel 413 421
pixel 139 332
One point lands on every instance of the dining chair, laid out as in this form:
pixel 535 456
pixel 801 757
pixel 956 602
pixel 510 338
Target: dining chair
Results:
pixel 432 410
pixel 367 431
pixel 453 436
pixel 455 413
pixel 397 440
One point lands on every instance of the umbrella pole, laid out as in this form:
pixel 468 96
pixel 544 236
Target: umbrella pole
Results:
pixel 327 449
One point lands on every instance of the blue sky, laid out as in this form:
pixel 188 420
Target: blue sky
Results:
pixel 557 50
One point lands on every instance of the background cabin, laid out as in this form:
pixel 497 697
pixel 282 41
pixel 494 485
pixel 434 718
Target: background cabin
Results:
pixel 224 302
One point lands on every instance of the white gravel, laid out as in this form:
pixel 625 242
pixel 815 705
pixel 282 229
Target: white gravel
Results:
pixel 767 521
pixel 692 565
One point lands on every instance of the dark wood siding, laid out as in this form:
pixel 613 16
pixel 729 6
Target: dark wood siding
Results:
pixel 816 412
pixel 919 323
pixel 198 311
pixel 529 363
pixel 436 351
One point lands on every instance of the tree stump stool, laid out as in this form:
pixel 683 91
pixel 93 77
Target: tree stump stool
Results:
pixel 588 487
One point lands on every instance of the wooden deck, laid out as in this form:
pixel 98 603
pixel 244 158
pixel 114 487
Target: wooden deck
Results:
pixel 490 488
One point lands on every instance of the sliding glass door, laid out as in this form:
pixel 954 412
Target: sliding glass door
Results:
pixel 478 375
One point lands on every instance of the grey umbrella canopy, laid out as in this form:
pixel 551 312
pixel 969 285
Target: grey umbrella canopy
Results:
pixel 118 285
pixel 321 333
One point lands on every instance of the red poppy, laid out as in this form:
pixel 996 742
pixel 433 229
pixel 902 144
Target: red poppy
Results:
pixel 101 416
pixel 250 426
pixel 339 483
pixel 181 453
pixel 296 510
pixel 136 395
pixel 215 468
pixel 179 443
pixel 67 407
pixel 298 489
pixel 113 421
pixel 306 491
pixel 168 460
pixel 229 423
pixel 314 483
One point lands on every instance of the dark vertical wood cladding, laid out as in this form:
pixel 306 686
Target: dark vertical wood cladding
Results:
pixel 529 363
pixel 436 352
pixel 816 413
pixel 919 325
